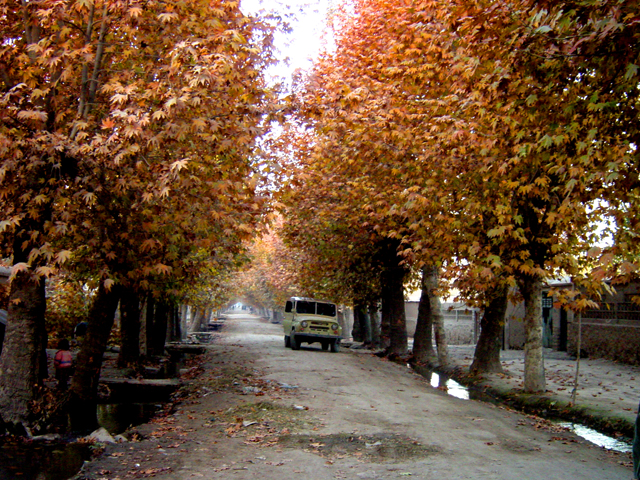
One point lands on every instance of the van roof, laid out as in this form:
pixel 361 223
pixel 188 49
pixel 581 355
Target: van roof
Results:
pixel 308 299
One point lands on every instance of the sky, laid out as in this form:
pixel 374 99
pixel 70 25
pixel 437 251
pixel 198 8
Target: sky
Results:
pixel 307 18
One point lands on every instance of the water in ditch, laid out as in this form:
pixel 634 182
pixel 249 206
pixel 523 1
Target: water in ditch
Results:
pixel 59 460
pixel 453 388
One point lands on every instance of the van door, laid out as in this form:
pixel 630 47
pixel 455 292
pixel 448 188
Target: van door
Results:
pixel 288 316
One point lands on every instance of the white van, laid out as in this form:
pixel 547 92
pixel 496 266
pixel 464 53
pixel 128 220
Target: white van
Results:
pixel 308 320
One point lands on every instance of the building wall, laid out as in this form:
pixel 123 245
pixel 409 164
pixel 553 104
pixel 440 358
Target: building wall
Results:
pixel 612 330
pixel 619 343
pixel 459 322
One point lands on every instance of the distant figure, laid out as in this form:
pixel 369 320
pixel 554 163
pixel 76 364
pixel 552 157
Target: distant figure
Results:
pixel 63 363
pixel 636 448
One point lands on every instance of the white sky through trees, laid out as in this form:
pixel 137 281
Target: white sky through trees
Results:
pixel 307 19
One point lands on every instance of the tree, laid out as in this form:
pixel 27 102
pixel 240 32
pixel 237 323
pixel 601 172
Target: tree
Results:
pixel 456 147
pixel 429 320
pixel 111 111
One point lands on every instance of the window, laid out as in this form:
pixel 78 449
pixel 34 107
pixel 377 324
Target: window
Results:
pixel 327 309
pixel 306 307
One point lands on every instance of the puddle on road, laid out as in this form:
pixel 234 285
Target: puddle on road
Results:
pixel 596 438
pixel 381 448
pixel 453 388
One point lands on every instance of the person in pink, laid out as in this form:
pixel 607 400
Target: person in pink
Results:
pixel 63 363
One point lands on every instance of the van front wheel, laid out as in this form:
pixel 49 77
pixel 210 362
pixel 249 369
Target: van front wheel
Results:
pixel 335 346
pixel 295 343
pixel 287 341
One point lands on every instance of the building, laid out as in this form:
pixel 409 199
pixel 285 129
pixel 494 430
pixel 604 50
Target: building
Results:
pixel 611 331
pixel 461 322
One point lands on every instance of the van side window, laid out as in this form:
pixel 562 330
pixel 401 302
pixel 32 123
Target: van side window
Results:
pixel 288 307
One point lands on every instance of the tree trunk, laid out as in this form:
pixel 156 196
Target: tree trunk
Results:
pixel 23 350
pixel 365 326
pixel 356 331
pixel 385 324
pixel 159 328
pixel 205 318
pixel 534 380
pixel 84 387
pixel 174 330
pixel 486 358
pixel 361 325
pixel 184 320
pixel 130 329
pixel 423 351
pixel 431 284
pixel 375 327
pixel 143 324
pixel 192 319
pixel 171 323
pixel 148 320
pixel 393 309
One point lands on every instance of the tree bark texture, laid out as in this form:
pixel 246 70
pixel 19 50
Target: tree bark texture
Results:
pixel 361 325
pixel 385 322
pixel 23 350
pixel 430 283
pixel 130 328
pixel 423 351
pixel 159 328
pixel 366 327
pixel 84 387
pixel 374 319
pixel 393 309
pixel 174 330
pixel 486 358
pixel 192 319
pixel 150 312
pixel 356 331
pixel 534 380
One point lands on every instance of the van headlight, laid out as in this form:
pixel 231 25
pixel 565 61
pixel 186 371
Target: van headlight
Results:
pixel 334 327
pixel 304 324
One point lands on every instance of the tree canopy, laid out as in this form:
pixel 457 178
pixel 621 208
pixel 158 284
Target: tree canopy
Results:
pixel 490 138
pixel 128 136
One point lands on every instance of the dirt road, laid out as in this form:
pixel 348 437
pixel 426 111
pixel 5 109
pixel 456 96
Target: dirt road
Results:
pixel 262 411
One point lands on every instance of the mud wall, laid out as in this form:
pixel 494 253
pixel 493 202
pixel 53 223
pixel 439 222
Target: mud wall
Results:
pixel 460 324
pixel 620 343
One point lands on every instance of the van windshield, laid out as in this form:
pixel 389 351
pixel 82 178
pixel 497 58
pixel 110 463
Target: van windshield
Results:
pixel 306 307
pixel 327 309
pixel 316 308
